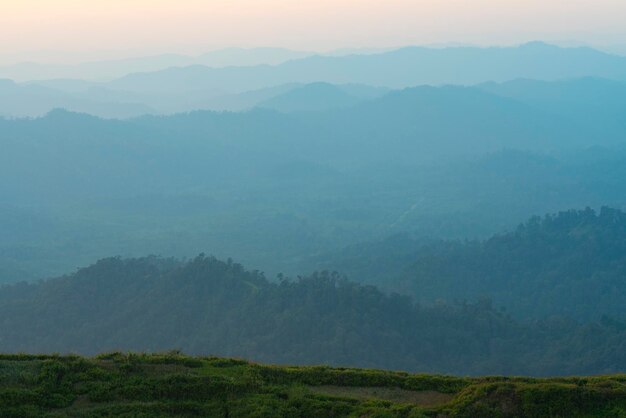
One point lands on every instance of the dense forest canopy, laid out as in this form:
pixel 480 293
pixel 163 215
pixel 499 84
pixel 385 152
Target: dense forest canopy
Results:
pixel 272 188
pixel 212 307
pixel 570 264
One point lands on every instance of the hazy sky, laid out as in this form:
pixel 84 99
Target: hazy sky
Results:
pixel 90 28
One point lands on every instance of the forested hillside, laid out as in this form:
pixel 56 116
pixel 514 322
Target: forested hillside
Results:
pixel 571 264
pixel 206 306
pixel 271 189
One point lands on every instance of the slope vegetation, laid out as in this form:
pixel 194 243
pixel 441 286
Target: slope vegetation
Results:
pixel 206 306
pixel 171 384
pixel 570 264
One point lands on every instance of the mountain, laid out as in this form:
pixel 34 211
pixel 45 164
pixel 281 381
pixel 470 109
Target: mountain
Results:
pixel 582 99
pixel 569 264
pixel 78 96
pixel 410 126
pixel 239 69
pixel 207 306
pixel 216 81
pixel 85 97
pixel 271 188
pixel 111 69
pixel 93 71
pixel 246 57
pixel 310 98
pixel 433 122
pixel 400 68
pixel 237 102
pixel 18 100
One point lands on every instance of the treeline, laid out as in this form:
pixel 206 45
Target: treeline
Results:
pixel 206 306
pixel 570 264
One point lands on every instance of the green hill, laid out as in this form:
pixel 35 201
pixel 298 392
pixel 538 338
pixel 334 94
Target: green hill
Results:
pixel 206 306
pixel 570 264
pixel 164 385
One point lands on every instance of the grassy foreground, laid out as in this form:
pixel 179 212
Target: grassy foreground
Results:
pixel 163 385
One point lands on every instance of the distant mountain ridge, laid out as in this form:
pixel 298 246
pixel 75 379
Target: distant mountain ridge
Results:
pixel 317 97
pixel 400 68
pixel 32 100
pixel 189 85
pixel 581 99
pixel 110 69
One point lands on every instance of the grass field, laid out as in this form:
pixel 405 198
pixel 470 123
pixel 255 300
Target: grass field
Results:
pixel 174 385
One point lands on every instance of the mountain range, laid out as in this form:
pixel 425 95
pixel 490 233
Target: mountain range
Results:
pixel 185 86
pixel 447 162
pixel 111 69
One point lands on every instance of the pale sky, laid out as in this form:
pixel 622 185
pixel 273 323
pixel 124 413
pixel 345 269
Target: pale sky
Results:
pixel 90 28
